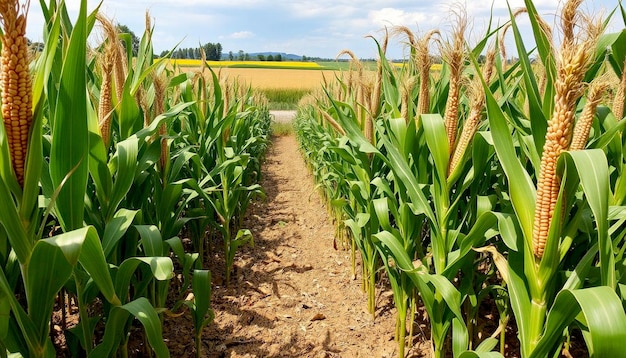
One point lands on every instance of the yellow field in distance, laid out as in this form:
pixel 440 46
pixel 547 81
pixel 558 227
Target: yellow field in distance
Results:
pixel 277 78
pixel 260 64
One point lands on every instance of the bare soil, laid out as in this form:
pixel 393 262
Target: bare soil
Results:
pixel 292 294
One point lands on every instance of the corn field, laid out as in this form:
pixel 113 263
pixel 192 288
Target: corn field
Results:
pixel 494 188
pixel 489 188
pixel 106 160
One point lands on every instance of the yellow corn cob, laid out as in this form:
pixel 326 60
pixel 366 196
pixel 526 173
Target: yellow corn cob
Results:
pixel 571 68
pixel 16 83
pixel 104 105
pixel 366 93
pixel 424 61
pixel 489 65
pixel 105 101
pixel 620 96
pixel 120 70
pixel 407 88
pixel 454 55
pixel 477 102
pixel 117 54
pixel 469 129
pixel 583 125
pixel 451 112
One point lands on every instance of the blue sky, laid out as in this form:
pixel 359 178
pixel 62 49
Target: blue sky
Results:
pixel 307 27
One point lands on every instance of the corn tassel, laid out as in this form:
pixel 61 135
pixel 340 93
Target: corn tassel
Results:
pixel 333 122
pixel 16 84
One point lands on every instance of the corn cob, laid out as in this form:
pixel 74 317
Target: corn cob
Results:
pixel 583 125
pixel 120 69
pixel 571 68
pixel 620 96
pixel 116 54
pixel 375 107
pixel 366 89
pixel 107 62
pixel 16 83
pixel 407 88
pixel 489 65
pixel 424 62
pixel 477 102
pixel 104 104
pixel 454 55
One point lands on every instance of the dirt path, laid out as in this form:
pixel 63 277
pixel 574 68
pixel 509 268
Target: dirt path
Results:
pixel 293 294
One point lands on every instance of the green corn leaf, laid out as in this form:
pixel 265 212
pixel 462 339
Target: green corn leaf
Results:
pixel 47 274
pixel 162 269
pixel 201 284
pixel 126 165
pixel 521 188
pixel 20 241
pixel 593 172
pixel 27 327
pixel 403 173
pixel 114 330
pixel 51 265
pixel 437 141
pixel 151 240
pixel 70 147
pixel 512 272
pixel 604 318
pixel 116 228
pixel 92 259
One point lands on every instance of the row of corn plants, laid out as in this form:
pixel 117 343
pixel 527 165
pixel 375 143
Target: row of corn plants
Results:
pixel 105 161
pixel 493 183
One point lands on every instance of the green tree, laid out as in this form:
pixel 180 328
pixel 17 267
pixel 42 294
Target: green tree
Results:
pixel 270 58
pixel 123 29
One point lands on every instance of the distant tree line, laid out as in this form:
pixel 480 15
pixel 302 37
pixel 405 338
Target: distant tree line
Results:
pixel 213 52
pixel 244 56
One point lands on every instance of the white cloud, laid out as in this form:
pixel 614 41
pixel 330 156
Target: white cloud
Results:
pixel 396 17
pixel 241 35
